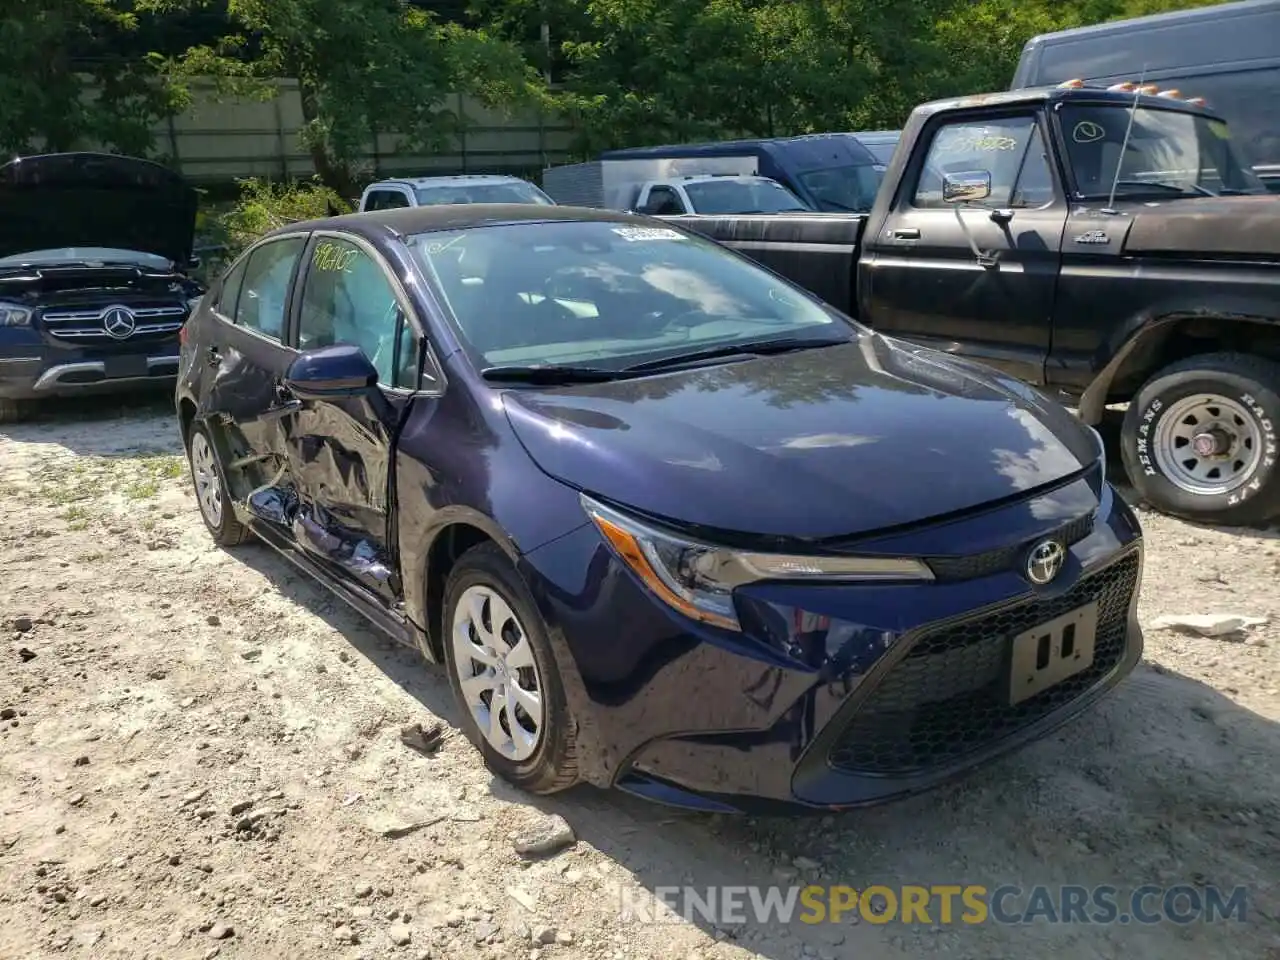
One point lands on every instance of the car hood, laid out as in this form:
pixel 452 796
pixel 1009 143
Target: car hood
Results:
pixel 817 444
pixel 1247 226
pixel 95 200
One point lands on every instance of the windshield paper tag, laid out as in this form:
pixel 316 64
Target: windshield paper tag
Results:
pixel 632 234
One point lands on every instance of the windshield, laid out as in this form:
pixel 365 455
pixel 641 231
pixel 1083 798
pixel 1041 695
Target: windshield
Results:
pixel 513 192
pixel 844 189
pixel 1169 153
pixel 607 293
pixel 71 255
pixel 741 196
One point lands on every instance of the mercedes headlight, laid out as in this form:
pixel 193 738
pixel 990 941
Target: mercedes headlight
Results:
pixel 12 315
pixel 698 579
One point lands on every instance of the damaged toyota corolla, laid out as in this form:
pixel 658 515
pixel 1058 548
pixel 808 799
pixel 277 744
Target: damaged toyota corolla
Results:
pixel 672 524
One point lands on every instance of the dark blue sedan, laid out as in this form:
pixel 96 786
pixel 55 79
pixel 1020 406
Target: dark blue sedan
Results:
pixel 672 524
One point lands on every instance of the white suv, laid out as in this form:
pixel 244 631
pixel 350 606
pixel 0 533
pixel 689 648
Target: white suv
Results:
pixel 467 188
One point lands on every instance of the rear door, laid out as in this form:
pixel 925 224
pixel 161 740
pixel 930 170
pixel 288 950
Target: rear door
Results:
pixel 247 353
pixel 340 452
pixel 979 279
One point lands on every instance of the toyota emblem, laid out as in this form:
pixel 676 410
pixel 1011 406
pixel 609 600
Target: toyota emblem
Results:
pixel 1045 561
pixel 119 322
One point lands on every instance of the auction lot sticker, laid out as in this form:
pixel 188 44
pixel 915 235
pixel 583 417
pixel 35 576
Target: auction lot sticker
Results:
pixel 633 234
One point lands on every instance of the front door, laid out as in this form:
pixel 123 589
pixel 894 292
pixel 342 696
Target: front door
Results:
pixel 247 356
pixel 341 451
pixel 978 279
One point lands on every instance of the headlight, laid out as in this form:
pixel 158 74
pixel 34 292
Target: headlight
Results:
pixel 698 579
pixel 12 315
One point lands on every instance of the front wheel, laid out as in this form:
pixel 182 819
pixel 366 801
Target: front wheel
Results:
pixel 1199 439
pixel 504 675
pixel 13 411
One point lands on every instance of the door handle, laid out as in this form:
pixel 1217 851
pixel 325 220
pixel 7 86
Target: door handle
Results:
pixel 1001 216
pixel 906 233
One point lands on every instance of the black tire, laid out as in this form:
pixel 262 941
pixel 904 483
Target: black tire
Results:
pixel 1250 384
pixel 553 766
pixel 227 531
pixel 14 411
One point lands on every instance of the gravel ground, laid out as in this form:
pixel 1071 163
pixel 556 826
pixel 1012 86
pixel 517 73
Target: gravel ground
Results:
pixel 200 757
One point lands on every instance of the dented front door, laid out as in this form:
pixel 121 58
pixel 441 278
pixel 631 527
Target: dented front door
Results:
pixel 340 451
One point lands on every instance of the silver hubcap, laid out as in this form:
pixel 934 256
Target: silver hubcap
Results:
pixel 497 673
pixel 1206 444
pixel 205 473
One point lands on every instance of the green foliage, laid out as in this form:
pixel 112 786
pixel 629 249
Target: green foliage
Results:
pixel 64 83
pixel 363 66
pixel 265 206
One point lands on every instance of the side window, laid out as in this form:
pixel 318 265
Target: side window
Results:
pixel 348 299
pixel 1035 180
pixel 265 291
pixel 996 147
pixel 230 292
pixel 662 201
pixel 386 200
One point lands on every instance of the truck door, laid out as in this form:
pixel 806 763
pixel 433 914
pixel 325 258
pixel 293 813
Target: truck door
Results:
pixel 977 278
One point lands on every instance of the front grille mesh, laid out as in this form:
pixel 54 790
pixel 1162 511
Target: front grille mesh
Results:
pixel 948 696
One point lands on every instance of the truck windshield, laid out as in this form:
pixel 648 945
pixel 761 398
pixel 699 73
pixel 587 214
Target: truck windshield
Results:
pixel 482 193
pixel 741 196
pixel 1170 153
pixel 847 189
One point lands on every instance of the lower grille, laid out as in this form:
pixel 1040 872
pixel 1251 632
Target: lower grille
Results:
pixel 948 696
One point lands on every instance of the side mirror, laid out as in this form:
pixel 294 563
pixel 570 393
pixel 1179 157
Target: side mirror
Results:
pixel 968 187
pixel 338 372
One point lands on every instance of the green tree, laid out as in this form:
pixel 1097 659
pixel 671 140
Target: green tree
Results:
pixel 361 66
pixel 69 80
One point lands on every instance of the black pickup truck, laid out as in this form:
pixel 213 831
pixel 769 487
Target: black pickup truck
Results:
pixel 1009 230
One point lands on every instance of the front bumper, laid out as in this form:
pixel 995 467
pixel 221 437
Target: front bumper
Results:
pixel 833 696
pixel 33 377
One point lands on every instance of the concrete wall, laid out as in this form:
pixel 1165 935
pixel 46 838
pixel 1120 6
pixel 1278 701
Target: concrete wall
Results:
pixel 215 141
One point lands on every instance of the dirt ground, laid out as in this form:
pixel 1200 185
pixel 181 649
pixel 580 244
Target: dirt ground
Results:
pixel 200 757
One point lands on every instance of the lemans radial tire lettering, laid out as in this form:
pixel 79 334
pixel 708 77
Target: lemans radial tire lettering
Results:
pixel 1268 455
pixel 1143 442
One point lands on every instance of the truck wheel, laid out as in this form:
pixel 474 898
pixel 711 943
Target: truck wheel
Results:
pixel 1199 439
pixel 11 411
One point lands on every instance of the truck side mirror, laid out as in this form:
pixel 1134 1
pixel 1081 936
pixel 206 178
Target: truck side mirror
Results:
pixel 967 187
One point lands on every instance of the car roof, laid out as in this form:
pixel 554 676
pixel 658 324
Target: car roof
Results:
pixel 406 221
pixel 444 181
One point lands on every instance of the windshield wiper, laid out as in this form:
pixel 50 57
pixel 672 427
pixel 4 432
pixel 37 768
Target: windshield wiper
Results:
pixel 550 373
pixel 753 348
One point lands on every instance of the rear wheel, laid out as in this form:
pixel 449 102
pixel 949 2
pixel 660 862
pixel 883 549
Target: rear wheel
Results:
pixel 211 489
pixel 504 675
pixel 1199 439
